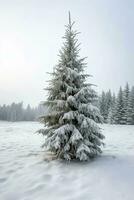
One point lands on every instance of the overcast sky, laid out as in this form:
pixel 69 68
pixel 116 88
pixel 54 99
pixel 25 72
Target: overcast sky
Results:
pixel 31 35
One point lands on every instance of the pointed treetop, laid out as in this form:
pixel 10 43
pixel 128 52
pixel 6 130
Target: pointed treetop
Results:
pixel 69 18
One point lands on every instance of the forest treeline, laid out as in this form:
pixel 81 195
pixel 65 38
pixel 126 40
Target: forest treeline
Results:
pixel 118 109
pixel 17 112
pixel 115 109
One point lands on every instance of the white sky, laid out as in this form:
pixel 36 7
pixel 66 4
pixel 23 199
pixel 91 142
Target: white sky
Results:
pixel 31 35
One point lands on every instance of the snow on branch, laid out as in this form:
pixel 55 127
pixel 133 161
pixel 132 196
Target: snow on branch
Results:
pixel 76 136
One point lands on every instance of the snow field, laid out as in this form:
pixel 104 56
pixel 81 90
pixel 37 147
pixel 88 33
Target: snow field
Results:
pixel 24 175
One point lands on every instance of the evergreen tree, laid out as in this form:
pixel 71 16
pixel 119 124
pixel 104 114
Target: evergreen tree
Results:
pixel 132 102
pixel 13 113
pixel 71 130
pixel 126 94
pixel 130 113
pixel 120 110
pixel 108 103
pixel 112 111
pixel 102 106
pixel 110 119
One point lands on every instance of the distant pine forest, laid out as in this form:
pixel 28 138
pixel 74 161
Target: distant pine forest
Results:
pixel 115 109
pixel 17 112
pixel 118 109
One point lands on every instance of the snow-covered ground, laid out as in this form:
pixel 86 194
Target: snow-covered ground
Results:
pixel 24 175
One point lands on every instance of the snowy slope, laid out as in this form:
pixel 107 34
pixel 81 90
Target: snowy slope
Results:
pixel 24 175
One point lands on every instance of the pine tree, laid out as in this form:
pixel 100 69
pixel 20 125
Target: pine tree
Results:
pixel 71 130
pixel 132 102
pixel 112 111
pixel 102 106
pixel 126 93
pixel 129 115
pixel 110 116
pixel 108 103
pixel 130 110
pixel 120 109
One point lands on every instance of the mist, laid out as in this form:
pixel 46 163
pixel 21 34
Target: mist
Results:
pixel 31 37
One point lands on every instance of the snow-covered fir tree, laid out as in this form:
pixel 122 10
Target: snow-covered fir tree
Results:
pixel 109 99
pixel 126 94
pixel 108 102
pixel 120 109
pixel 132 103
pixel 105 103
pixel 130 107
pixel 112 111
pixel 129 113
pixel 71 128
pixel 110 119
pixel 102 106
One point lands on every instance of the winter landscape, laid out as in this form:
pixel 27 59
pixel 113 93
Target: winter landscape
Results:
pixel 24 175
pixel 75 139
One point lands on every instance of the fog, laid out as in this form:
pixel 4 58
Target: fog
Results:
pixel 31 35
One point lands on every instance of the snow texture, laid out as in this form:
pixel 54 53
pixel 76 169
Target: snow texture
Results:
pixel 24 175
